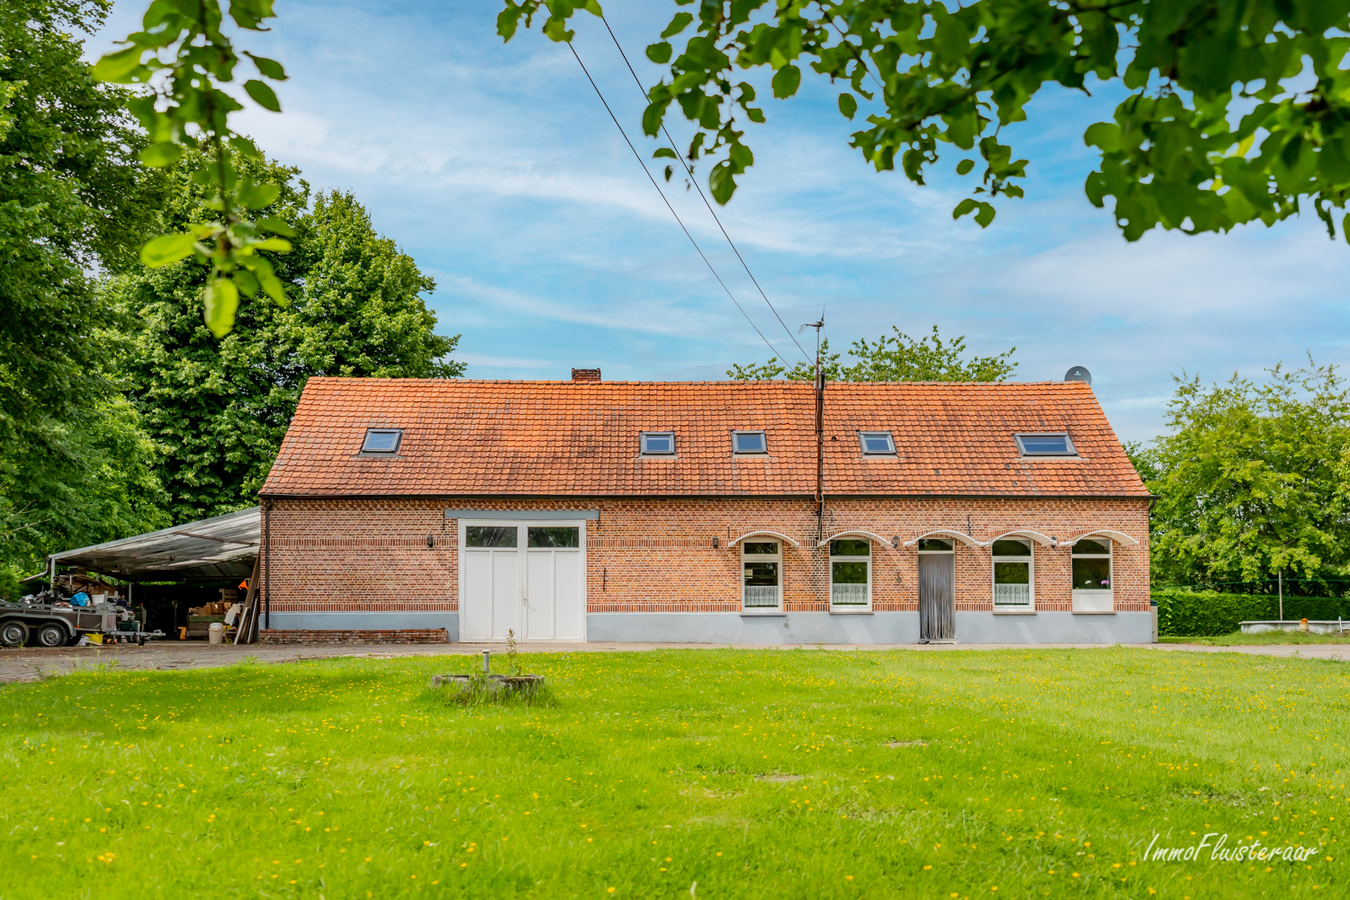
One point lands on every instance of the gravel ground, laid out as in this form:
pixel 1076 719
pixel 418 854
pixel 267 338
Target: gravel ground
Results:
pixel 31 664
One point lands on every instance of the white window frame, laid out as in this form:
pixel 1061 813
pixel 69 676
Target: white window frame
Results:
pixel 1068 442
pixel 642 443
pixel 761 557
pixel 890 440
pixel 736 451
pixel 398 441
pixel 851 607
pixel 951 541
pixel 1031 574
pixel 1094 600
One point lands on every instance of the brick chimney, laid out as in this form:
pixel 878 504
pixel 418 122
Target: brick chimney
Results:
pixel 585 374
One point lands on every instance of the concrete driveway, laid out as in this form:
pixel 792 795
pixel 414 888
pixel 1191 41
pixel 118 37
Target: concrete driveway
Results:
pixel 32 664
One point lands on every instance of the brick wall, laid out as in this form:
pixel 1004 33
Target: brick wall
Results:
pixel 657 555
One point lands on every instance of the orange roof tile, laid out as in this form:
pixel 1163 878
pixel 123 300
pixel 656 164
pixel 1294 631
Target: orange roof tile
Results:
pixel 550 438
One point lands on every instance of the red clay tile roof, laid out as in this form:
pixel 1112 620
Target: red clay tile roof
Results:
pixel 580 439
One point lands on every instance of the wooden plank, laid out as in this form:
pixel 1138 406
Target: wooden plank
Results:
pixel 243 632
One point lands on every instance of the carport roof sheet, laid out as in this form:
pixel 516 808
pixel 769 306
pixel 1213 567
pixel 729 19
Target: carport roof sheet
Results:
pixel 220 547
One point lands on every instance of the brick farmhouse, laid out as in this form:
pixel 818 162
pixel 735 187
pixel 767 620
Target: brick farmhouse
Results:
pixel 707 511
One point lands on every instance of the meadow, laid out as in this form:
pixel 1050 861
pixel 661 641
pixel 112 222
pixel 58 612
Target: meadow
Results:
pixel 684 773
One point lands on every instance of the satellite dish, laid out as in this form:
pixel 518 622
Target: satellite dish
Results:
pixel 1079 373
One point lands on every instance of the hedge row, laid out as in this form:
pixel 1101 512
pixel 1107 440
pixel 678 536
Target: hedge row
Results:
pixel 1201 613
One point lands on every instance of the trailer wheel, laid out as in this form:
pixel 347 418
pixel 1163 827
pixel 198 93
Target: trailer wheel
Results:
pixel 51 635
pixel 13 634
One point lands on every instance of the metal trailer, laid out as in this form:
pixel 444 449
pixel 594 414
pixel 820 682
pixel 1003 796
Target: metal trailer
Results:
pixel 54 624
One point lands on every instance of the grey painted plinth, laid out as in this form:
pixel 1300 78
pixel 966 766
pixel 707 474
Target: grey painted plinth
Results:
pixel 1054 628
pixel 734 628
pixel 365 621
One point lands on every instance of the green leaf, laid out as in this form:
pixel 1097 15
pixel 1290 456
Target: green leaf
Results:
pixel 268 67
pixel 159 155
pixel 245 147
pixel 263 95
pixel 985 215
pixel 848 105
pixel 280 245
pixel 964 166
pixel 268 280
pixel 677 24
pixel 222 301
pixel 785 82
pixel 754 114
pixel 1105 135
pixel 167 248
pixel 670 171
pixel 664 153
pixel 965 206
pixel 276 226
pixel 659 53
pixel 116 67
pixel 721 182
pixel 257 196
pixel 246 282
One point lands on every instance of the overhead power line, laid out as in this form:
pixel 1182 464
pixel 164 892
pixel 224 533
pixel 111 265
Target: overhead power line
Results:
pixel 694 182
pixel 638 157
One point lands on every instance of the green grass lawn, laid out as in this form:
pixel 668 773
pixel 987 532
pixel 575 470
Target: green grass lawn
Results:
pixel 1238 639
pixel 1031 773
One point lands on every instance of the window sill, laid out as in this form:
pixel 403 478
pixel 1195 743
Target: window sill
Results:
pixel 1014 612
pixel 850 612
pixel 1094 612
pixel 769 614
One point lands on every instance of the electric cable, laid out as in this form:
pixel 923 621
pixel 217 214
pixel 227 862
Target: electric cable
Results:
pixel 694 182
pixel 638 157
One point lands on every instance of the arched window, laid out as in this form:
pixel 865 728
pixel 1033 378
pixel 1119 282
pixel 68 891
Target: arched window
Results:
pixel 1014 581
pixel 761 575
pixel 851 574
pixel 1092 575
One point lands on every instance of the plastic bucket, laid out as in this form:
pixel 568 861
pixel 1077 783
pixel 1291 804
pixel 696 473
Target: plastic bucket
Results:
pixel 217 633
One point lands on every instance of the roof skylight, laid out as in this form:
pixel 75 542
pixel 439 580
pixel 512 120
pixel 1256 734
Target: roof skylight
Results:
pixel 1045 445
pixel 658 443
pixel 749 442
pixel 877 443
pixel 382 440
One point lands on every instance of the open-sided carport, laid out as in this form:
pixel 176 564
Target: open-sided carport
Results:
pixel 222 547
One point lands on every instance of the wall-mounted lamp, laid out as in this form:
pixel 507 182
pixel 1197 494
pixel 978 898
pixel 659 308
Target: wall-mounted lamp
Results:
pixel 714 542
pixel 431 541
pixel 895 542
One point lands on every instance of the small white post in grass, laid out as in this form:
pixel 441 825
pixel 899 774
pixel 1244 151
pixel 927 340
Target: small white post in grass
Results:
pixel 486 653
pixel 1280 576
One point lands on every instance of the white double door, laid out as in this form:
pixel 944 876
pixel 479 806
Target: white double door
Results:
pixel 526 576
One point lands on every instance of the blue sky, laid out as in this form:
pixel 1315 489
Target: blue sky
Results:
pixel 498 170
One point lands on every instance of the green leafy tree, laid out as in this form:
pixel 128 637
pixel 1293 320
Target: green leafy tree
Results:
pixel 1237 111
pixel 893 357
pixel 1252 480
pixel 220 407
pixel 71 202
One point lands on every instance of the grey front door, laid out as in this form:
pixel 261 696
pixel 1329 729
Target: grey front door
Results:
pixel 937 597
